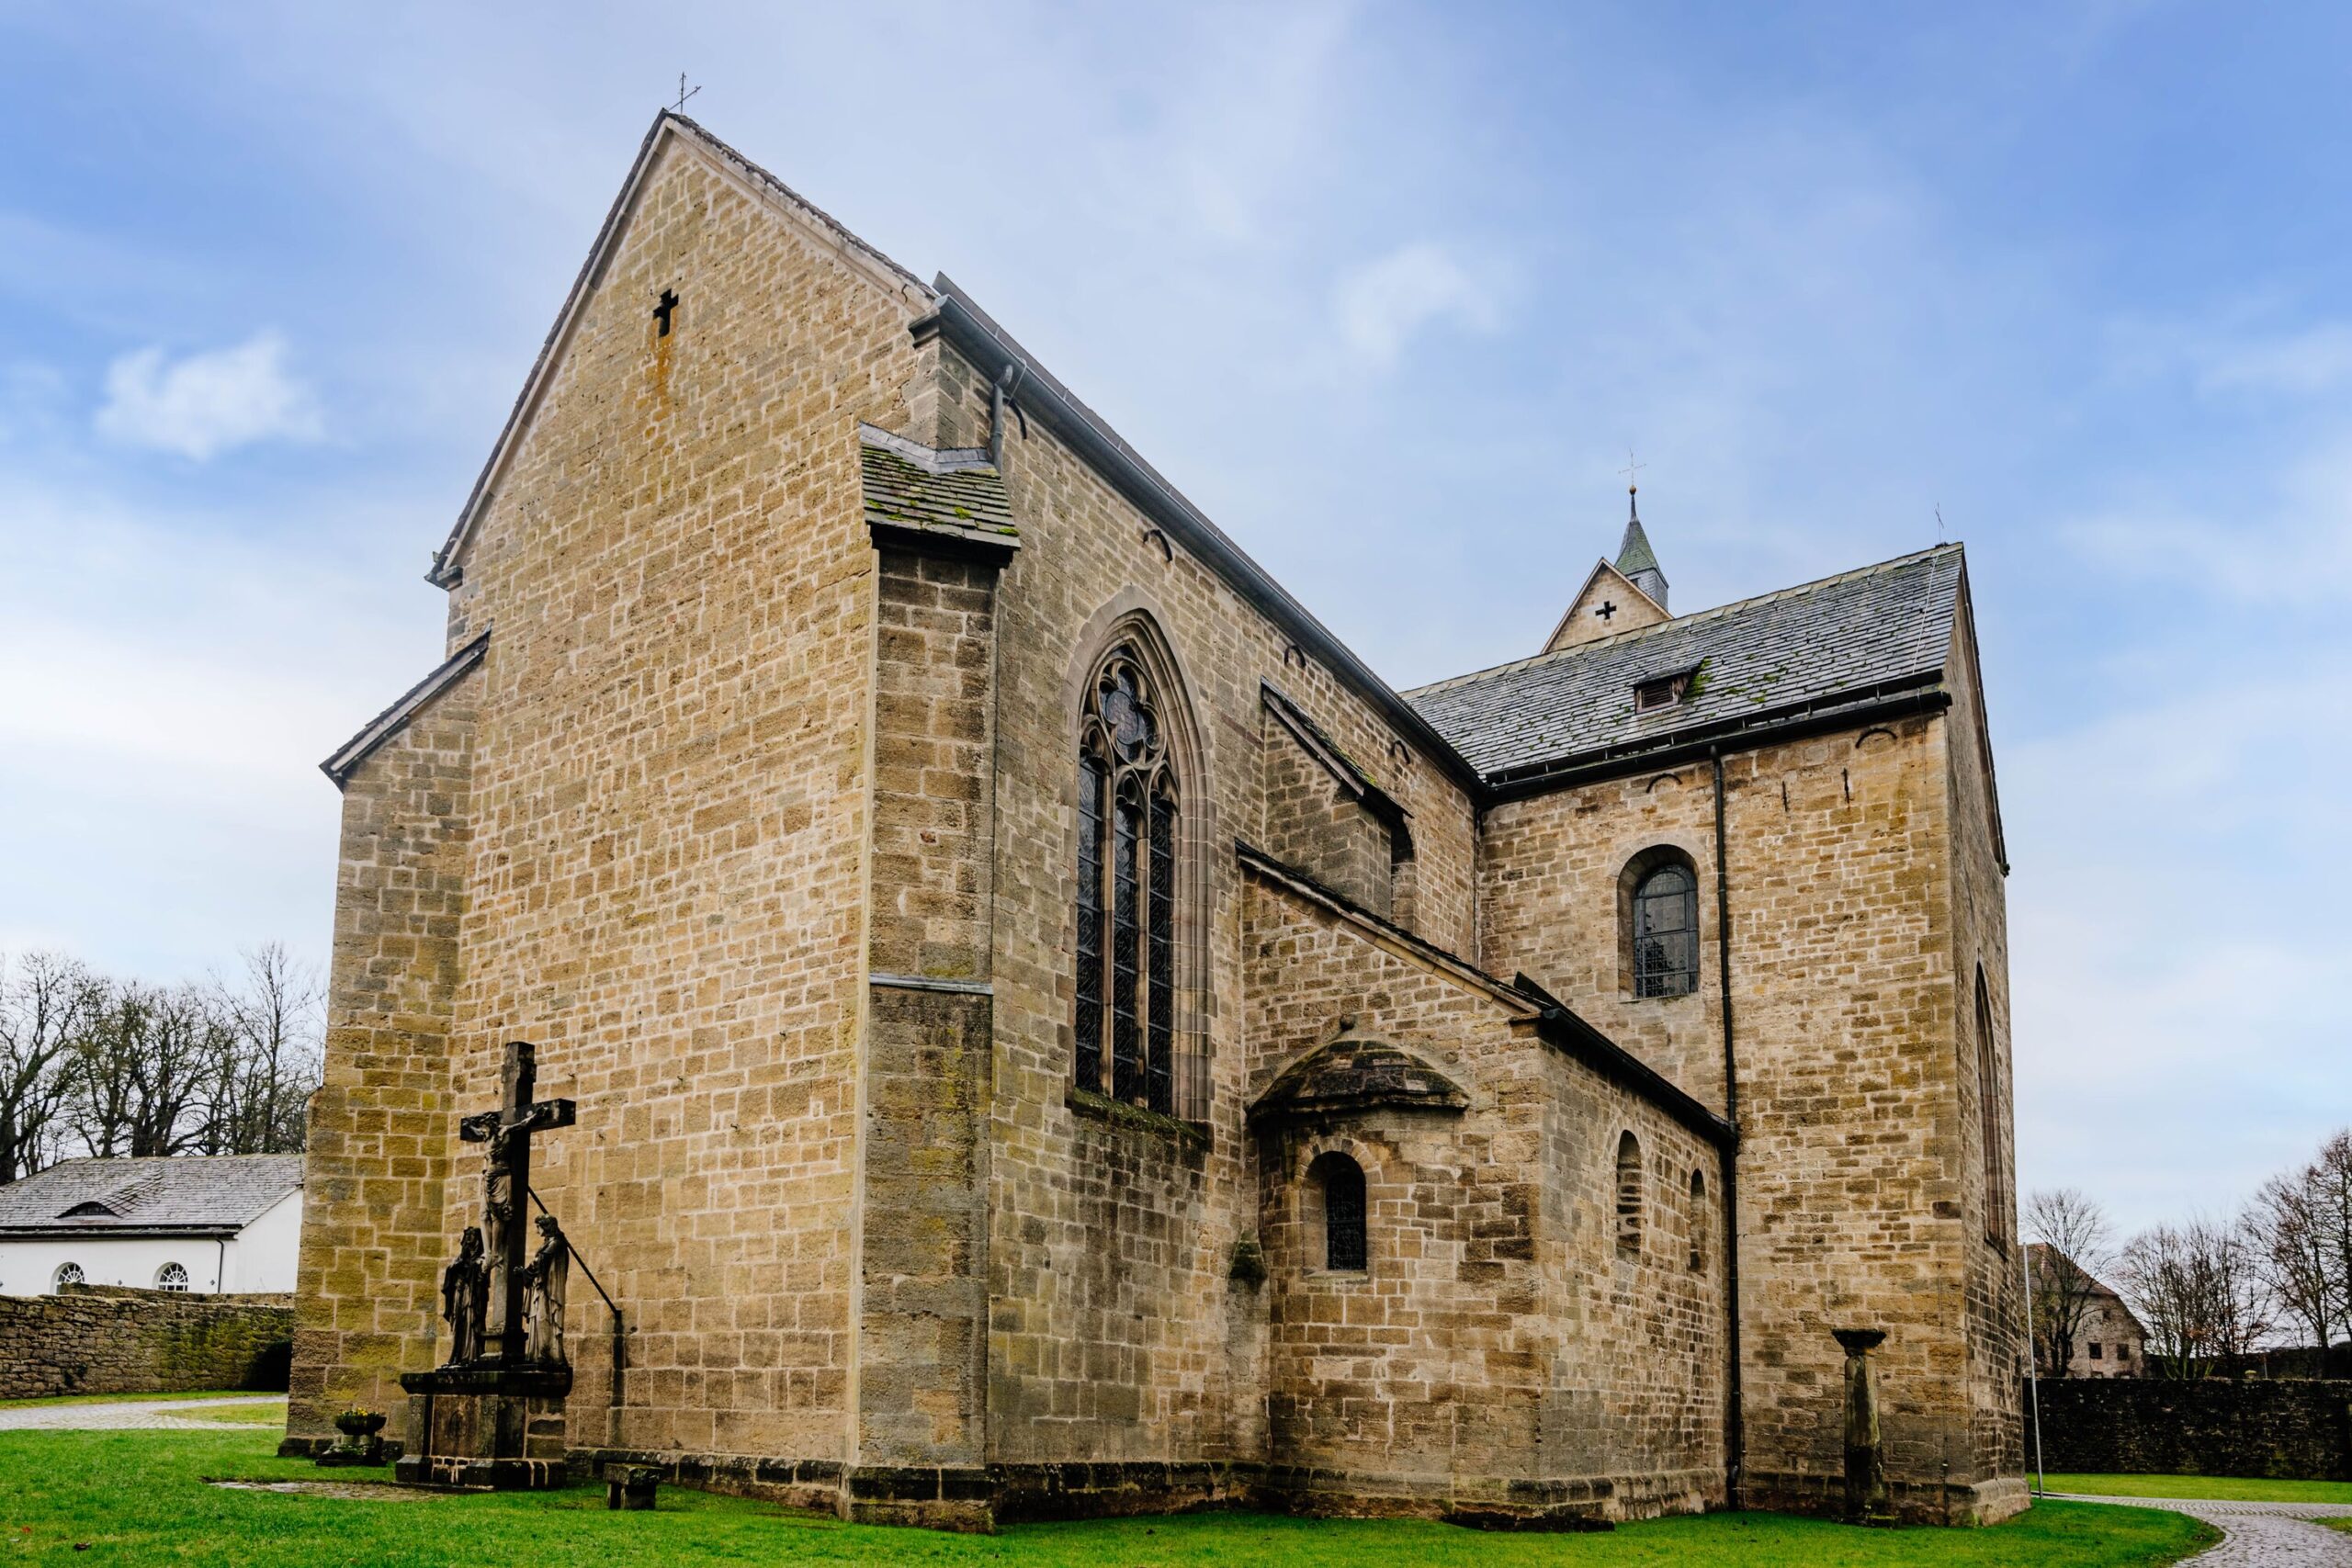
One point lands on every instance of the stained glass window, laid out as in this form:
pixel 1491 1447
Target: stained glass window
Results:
pixel 1128 923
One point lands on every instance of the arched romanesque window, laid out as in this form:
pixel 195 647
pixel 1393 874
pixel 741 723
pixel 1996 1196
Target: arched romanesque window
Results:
pixel 1988 1109
pixel 67 1274
pixel 1664 921
pixel 1129 805
pixel 1698 1221
pixel 1338 1182
pixel 170 1276
pixel 1629 1196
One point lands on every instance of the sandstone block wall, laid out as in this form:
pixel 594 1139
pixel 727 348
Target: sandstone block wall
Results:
pixel 1111 1234
pixel 116 1339
pixel 669 859
pixel 1502 1347
pixel 2291 1429
pixel 374 1175
pixel 1861 1176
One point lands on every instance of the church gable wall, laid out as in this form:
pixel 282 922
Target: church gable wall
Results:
pixel 1111 1235
pixel 1843 986
pixel 368 1305
pixel 1980 938
pixel 668 869
pixel 1499 1348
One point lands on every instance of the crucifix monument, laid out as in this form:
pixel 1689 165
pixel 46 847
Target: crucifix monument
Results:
pixel 492 1415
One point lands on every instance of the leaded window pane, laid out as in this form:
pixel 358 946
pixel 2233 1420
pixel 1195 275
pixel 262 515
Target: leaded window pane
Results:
pixel 1666 933
pixel 1160 1065
pixel 1088 1069
pixel 1126 1040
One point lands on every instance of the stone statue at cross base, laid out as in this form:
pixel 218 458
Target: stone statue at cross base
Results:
pixel 547 1280
pixel 461 1297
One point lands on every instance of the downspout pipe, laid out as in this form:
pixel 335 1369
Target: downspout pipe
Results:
pixel 1734 1415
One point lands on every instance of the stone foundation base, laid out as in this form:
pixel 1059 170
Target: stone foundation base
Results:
pixel 1951 1502
pixel 980 1498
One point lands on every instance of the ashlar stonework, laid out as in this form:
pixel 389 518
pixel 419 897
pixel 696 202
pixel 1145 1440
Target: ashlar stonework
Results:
pixel 1055 1033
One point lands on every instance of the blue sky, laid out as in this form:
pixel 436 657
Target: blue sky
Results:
pixel 1388 289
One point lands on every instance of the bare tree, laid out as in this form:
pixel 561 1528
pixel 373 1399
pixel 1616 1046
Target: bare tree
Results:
pixel 44 1002
pixel 2197 1293
pixel 2331 1197
pixel 2069 1235
pixel 2292 1238
pixel 140 1071
pixel 266 1057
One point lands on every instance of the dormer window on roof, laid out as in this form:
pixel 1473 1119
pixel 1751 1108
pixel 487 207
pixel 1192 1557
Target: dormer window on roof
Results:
pixel 1662 691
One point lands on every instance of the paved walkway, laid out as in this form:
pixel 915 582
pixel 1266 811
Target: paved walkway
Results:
pixel 153 1413
pixel 2258 1535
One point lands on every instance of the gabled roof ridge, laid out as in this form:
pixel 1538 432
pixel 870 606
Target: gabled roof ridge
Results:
pixel 1678 623
pixel 582 283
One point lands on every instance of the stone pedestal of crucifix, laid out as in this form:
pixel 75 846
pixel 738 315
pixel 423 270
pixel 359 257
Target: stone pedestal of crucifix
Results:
pixel 492 1415
pixel 1866 1496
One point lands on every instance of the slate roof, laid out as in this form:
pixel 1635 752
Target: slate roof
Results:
pixel 1844 638
pixel 1351 1073
pixel 954 492
pixel 190 1192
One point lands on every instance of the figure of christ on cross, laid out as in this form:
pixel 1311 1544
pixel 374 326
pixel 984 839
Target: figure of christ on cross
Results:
pixel 506 1185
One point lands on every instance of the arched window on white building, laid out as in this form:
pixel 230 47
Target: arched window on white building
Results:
pixel 67 1274
pixel 170 1276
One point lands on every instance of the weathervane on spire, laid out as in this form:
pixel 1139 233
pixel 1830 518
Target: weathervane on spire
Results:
pixel 685 92
pixel 1632 471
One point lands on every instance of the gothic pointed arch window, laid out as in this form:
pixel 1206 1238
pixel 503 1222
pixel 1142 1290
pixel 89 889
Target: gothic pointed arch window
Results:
pixel 1130 873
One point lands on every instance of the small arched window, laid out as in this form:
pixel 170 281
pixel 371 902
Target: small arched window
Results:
pixel 1338 1182
pixel 1662 926
pixel 1698 1221
pixel 1129 807
pixel 67 1274
pixel 1629 1196
pixel 170 1276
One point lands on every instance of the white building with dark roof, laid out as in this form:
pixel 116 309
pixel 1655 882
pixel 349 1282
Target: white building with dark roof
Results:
pixel 220 1223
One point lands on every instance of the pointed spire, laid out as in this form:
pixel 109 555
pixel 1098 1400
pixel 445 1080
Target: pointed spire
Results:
pixel 1634 557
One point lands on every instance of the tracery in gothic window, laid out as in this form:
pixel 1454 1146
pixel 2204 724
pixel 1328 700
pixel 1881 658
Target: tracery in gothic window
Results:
pixel 1129 818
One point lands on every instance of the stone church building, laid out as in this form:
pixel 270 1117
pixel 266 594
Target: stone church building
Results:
pixel 1054 1032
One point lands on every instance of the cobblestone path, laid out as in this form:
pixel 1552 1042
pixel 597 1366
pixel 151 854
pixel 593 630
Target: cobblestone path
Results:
pixel 2259 1535
pixel 154 1414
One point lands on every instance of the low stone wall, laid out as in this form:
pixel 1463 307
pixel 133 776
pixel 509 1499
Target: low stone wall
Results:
pixel 116 1339
pixel 2255 1427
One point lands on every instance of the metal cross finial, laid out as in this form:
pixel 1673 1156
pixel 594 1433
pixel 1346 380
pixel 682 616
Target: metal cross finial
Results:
pixel 1631 470
pixel 685 92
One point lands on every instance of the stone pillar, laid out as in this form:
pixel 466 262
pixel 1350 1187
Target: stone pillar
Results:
pixel 1866 1496
pixel 922 1432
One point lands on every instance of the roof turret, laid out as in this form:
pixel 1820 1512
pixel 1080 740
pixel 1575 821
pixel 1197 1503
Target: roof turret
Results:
pixel 1635 558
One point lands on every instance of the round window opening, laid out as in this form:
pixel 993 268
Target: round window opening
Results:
pixel 69 1274
pixel 170 1276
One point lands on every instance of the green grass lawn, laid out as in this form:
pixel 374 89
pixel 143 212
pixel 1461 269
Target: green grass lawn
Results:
pixel 125 1398
pixel 2205 1488
pixel 270 1415
pixel 139 1497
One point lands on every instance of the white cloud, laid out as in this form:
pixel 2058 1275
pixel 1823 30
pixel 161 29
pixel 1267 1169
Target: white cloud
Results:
pixel 207 403
pixel 2292 549
pixel 1384 302
pixel 2315 360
